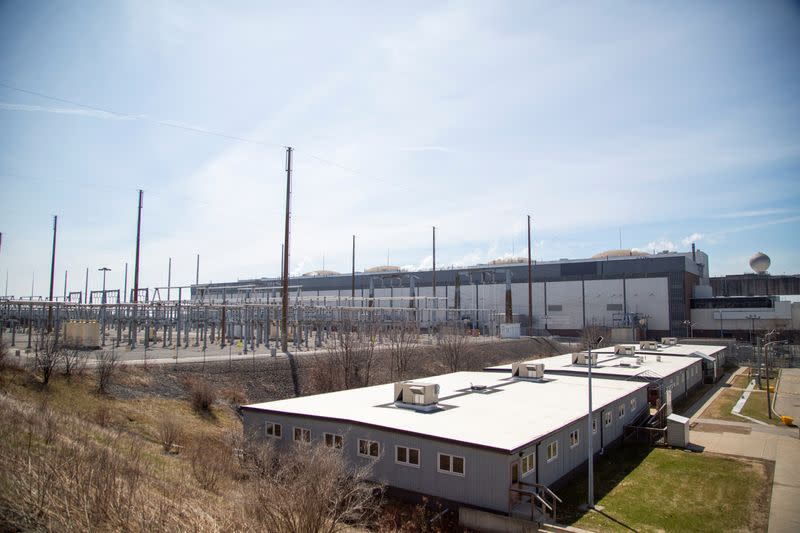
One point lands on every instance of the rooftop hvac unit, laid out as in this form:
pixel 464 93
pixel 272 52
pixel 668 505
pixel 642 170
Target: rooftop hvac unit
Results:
pixel 639 359
pixel 648 345
pixel 423 396
pixel 621 349
pixel 527 370
pixel 581 358
pixel 669 341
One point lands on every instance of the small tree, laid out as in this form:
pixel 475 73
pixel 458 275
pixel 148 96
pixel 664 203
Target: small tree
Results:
pixel 452 347
pixel 169 432
pixel 105 366
pixel 353 352
pixel 47 356
pixel 202 394
pixel 402 349
pixel 73 361
pixel 591 333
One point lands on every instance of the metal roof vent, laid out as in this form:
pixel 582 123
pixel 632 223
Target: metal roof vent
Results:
pixel 621 349
pixel 669 341
pixel 527 370
pixel 648 345
pixel 582 358
pixel 418 396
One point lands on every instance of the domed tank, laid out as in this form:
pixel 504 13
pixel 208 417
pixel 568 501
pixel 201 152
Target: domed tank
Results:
pixel 760 262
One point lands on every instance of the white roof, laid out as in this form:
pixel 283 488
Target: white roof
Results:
pixel 509 415
pixel 677 349
pixel 609 364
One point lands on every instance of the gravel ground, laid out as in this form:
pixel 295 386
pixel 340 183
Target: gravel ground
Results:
pixel 265 379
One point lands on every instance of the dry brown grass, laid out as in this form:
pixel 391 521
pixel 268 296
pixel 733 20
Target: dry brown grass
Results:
pixel 201 393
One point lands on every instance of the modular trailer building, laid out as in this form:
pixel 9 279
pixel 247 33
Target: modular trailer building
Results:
pixel 486 431
pixel 713 356
pixel 665 374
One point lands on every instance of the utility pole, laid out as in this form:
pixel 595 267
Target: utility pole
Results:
pixel 285 295
pixel 353 276
pixel 103 325
pixel 138 244
pixel 125 288
pixel 86 288
pixel 197 271
pixel 169 278
pixel 530 282
pixel 66 273
pixel 434 262
pixel 52 274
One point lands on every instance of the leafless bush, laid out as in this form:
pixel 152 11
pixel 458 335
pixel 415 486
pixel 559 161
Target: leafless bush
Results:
pixel 353 352
pixel 4 355
pixel 591 333
pixel 169 432
pixel 235 395
pixel 402 349
pixel 211 461
pixel 47 356
pixel 73 361
pixel 309 490
pixel 106 363
pixel 201 393
pixel 324 374
pixel 102 415
pixel 452 347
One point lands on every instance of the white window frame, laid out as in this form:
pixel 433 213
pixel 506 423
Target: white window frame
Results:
pixel 450 462
pixel 528 463
pixel 369 442
pixel 303 432
pixel 633 404
pixel 621 411
pixel 577 440
pixel 594 425
pixel 334 437
pixel 268 424
pixel 552 451
pixel 407 462
pixel 609 417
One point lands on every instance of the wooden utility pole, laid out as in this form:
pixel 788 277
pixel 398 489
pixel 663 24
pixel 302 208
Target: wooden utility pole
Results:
pixel 530 282
pixel 52 274
pixel 138 243
pixel 353 276
pixel 285 295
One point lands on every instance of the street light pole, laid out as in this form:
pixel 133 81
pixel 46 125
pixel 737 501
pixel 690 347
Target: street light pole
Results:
pixel 589 434
pixel 103 300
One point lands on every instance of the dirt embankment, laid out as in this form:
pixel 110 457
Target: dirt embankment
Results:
pixel 262 380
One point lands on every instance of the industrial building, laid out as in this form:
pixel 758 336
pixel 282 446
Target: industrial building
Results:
pixel 617 288
pixel 485 439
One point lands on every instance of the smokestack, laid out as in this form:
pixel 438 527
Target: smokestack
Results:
pixel 694 253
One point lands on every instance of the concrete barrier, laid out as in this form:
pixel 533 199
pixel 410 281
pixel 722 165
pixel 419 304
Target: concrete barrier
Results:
pixel 486 522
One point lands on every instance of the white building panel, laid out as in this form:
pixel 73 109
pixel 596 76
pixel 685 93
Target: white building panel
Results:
pixel 603 300
pixel 649 296
pixel 564 305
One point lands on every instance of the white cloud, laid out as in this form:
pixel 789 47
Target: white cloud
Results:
pixel 9 106
pixel 753 213
pixel 694 237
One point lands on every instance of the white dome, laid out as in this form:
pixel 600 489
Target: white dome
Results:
pixel 759 262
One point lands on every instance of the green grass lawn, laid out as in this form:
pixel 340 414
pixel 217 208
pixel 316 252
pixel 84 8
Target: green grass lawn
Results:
pixel 659 489
pixel 756 407
pixel 684 404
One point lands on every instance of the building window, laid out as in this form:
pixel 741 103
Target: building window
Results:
pixel 273 430
pixel 302 435
pixel 451 464
pixel 594 425
pixel 369 448
pixel 552 450
pixel 633 404
pixel 608 417
pixel 555 308
pixel 574 438
pixel 613 307
pixel 406 456
pixel 333 441
pixel 621 410
pixel 528 463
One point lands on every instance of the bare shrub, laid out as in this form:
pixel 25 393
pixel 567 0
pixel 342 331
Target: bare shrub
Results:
pixel 211 461
pixel 353 352
pixel 591 333
pixel 169 433
pixel 102 416
pixel 452 347
pixel 73 361
pixel 106 363
pixel 47 356
pixel 403 348
pixel 324 375
pixel 4 355
pixel 234 395
pixel 201 393
pixel 308 489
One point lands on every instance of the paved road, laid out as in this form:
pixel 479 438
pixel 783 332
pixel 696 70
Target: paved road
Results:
pixel 787 395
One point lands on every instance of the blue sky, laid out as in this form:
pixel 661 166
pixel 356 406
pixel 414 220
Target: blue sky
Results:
pixel 673 122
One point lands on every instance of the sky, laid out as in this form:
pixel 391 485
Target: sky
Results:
pixel 660 124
